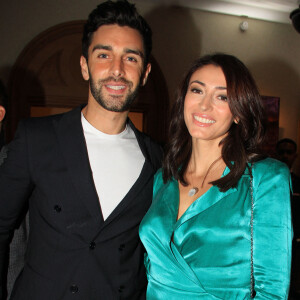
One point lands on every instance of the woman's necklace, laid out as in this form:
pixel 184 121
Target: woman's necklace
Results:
pixel 194 190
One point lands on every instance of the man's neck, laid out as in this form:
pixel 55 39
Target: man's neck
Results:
pixel 106 121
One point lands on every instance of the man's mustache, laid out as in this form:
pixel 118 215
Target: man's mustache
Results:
pixel 121 80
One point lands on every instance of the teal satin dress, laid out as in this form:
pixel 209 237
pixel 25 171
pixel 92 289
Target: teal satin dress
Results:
pixel 206 253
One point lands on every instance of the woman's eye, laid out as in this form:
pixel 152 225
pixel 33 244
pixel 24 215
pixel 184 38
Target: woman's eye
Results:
pixel 222 97
pixel 196 91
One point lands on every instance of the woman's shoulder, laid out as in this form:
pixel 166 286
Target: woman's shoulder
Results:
pixel 270 169
pixel 270 165
pixel 159 183
pixel 158 178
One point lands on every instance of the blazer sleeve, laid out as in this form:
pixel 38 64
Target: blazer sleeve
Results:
pixel 16 187
pixel 3 154
pixel 272 230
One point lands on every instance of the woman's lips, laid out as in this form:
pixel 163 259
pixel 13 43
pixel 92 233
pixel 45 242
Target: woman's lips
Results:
pixel 204 120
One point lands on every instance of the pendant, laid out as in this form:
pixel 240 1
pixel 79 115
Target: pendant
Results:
pixel 193 191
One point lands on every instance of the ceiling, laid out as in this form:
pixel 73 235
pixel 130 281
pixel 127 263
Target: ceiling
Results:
pixel 269 10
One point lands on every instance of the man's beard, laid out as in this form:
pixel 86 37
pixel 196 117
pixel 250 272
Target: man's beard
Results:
pixel 113 102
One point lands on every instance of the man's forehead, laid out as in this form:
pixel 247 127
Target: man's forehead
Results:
pixel 118 36
pixel 287 145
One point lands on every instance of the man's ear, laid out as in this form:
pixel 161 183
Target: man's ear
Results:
pixel 146 74
pixel 84 68
pixel 295 156
pixel 2 113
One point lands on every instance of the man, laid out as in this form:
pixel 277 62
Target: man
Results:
pixel 87 174
pixel 3 104
pixel 17 247
pixel 286 151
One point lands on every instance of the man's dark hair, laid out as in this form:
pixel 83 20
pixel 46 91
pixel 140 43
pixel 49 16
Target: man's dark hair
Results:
pixel 121 13
pixel 242 143
pixel 286 140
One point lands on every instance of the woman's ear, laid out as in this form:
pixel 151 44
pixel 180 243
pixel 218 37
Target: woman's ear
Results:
pixel 236 120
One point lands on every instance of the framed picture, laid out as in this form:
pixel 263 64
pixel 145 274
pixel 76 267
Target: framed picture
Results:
pixel 271 105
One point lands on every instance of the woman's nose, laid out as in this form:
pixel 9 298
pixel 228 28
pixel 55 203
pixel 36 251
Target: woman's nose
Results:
pixel 205 103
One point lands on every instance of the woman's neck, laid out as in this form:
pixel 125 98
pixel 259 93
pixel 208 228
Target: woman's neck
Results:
pixel 203 155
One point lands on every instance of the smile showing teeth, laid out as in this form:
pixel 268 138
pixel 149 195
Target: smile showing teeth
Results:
pixel 203 120
pixel 116 87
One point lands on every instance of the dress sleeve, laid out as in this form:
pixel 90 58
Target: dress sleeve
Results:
pixel 272 230
pixel 157 183
pixel 15 187
pixel 147 264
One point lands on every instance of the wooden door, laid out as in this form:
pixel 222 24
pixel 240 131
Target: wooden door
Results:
pixel 46 79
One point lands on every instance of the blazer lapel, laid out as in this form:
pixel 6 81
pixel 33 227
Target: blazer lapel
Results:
pixel 133 194
pixel 146 175
pixel 72 143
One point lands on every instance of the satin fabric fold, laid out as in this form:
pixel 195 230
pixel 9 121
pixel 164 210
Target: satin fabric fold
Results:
pixel 206 253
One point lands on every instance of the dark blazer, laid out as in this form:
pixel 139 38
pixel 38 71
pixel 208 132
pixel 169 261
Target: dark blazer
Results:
pixel 17 246
pixel 3 154
pixel 72 252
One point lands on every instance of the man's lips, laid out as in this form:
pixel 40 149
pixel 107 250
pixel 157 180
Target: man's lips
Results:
pixel 115 87
pixel 118 86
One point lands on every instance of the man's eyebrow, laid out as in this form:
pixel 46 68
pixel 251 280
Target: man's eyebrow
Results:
pixel 101 47
pixel 203 84
pixel 126 50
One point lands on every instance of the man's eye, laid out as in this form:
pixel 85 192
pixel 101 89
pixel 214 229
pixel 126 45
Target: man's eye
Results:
pixel 102 55
pixel 130 58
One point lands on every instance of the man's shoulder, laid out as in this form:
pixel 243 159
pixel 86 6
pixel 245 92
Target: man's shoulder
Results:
pixel 150 148
pixel 154 150
pixel 41 124
pixel 295 183
pixel 3 154
pixel 150 142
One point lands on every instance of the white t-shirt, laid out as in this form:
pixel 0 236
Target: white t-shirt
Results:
pixel 116 162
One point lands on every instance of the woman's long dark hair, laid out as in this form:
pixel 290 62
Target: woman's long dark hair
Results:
pixel 241 144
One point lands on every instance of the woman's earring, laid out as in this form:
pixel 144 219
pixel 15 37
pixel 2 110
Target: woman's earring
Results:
pixel 236 121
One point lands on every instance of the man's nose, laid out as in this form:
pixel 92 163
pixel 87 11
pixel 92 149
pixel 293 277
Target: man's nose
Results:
pixel 117 67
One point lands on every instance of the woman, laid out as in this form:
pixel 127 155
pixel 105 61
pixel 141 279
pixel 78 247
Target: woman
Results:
pixel 220 224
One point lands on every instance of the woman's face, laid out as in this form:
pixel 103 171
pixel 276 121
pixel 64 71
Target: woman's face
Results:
pixel 206 110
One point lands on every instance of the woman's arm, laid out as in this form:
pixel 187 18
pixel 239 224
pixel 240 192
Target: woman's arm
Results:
pixel 272 229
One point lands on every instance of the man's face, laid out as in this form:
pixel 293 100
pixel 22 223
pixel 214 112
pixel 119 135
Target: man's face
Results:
pixel 286 153
pixel 115 66
pixel 2 115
